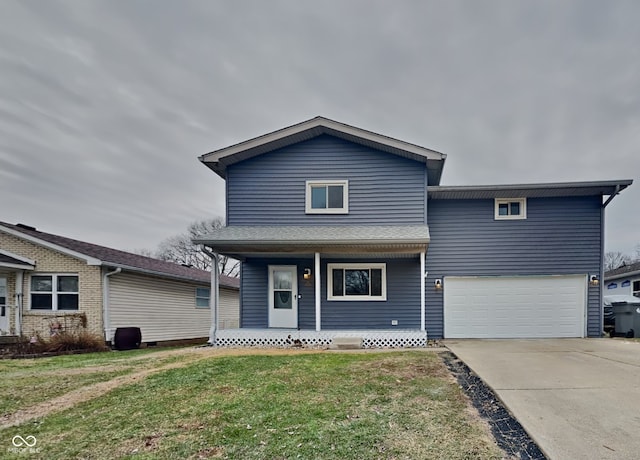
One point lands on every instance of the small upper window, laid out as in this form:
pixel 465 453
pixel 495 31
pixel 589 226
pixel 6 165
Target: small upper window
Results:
pixel 636 288
pixel 327 197
pixel 511 208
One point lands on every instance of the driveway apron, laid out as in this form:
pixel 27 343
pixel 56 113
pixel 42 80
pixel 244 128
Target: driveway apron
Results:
pixel 577 398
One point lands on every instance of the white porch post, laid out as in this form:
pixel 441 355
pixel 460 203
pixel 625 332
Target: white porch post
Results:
pixel 18 301
pixel 423 282
pixel 316 270
pixel 214 294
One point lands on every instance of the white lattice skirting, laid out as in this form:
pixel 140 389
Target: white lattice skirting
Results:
pixel 291 337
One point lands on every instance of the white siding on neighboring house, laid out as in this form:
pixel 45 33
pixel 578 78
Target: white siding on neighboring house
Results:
pixel 163 309
pixel 229 309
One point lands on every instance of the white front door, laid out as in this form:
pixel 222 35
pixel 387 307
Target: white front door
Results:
pixel 283 296
pixel 4 310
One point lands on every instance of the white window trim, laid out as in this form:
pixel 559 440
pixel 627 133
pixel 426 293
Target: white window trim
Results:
pixel 54 292
pixel 321 182
pixel 200 297
pixel 353 298
pixel 523 208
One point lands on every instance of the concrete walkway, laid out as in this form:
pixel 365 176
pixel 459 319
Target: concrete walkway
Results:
pixel 577 398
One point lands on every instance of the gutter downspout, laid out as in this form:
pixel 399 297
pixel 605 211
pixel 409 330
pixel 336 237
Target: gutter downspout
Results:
pixel 601 274
pixel 105 303
pixel 215 289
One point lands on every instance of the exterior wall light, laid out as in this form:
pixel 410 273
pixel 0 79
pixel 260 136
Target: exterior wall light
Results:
pixel 594 280
pixel 307 274
pixel 438 284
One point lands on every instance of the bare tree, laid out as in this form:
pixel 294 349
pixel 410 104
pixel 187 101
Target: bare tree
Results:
pixel 613 260
pixel 182 250
pixel 144 252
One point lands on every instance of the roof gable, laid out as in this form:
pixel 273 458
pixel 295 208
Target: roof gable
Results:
pixel 95 254
pixel 219 160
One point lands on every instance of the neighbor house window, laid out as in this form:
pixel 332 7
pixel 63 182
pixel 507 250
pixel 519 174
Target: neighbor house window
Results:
pixel 203 296
pixel 54 292
pixel 510 208
pixel 636 288
pixel 357 282
pixel 327 197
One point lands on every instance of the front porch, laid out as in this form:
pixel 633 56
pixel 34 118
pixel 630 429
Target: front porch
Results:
pixel 392 338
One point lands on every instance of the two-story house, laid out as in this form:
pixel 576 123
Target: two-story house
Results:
pixel 343 232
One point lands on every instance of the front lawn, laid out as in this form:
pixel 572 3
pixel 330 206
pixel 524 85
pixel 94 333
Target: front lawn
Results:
pixel 300 405
pixel 25 382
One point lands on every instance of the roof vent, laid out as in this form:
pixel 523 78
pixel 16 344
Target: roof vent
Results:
pixel 26 227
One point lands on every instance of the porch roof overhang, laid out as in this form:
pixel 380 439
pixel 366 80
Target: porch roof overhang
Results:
pixel 15 262
pixel 243 241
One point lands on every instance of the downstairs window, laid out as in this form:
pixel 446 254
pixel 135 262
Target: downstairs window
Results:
pixel 54 292
pixel 359 281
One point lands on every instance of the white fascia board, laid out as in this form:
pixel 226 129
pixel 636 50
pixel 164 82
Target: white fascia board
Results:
pixel 623 275
pixel 17 257
pixel 17 267
pixel 317 122
pixel 40 242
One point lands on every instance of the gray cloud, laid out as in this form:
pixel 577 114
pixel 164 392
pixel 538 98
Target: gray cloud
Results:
pixel 104 106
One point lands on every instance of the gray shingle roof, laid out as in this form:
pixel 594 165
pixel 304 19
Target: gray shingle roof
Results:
pixel 117 258
pixel 622 271
pixel 247 239
pixel 10 260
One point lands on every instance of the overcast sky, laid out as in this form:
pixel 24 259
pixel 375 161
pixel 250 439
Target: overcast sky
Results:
pixel 106 105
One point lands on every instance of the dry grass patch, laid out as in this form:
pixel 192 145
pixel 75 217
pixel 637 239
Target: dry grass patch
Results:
pixel 278 405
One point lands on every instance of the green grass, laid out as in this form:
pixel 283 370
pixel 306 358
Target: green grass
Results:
pixel 25 382
pixel 309 406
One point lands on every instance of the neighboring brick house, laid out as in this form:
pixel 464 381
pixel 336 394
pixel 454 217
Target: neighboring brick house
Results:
pixel 49 282
pixel 346 233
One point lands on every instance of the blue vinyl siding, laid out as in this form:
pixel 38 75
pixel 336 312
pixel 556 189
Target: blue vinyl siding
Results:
pixel 402 304
pixel 270 189
pixel 559 236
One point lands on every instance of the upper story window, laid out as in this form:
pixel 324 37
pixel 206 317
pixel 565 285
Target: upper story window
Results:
pixel 327 197
pixel 54 292
pixel 636 288
pixel 510 208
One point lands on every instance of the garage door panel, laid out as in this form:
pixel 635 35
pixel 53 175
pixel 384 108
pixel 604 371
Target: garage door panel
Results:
pixel 515 307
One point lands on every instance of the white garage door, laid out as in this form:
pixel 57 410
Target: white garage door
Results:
pixel 514 307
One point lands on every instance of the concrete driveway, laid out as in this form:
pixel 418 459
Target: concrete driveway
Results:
pixel 577 398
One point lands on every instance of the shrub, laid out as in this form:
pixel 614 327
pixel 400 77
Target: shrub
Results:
pixel 75 340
